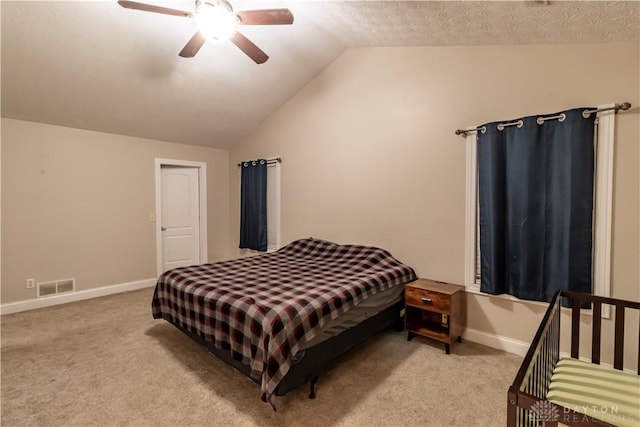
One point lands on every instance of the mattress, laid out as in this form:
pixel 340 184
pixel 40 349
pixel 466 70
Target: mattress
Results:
pixel 358 314
pixel 601 392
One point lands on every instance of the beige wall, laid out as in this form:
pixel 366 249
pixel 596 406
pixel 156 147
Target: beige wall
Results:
pixel 370 156
pixel 76 203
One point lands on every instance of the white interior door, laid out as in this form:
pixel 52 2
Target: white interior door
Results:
pixel 180 217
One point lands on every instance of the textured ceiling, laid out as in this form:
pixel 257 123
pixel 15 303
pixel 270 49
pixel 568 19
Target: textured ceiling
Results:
pixel 426 23
pixel 95 65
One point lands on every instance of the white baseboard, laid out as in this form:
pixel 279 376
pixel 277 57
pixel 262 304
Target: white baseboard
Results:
pixel 519 347
pixel 496 341
pixel 16 307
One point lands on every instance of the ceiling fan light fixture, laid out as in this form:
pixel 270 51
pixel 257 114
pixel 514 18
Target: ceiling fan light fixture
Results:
pixel 216 20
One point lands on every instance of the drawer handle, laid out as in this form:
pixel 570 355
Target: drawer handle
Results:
pixel 426 300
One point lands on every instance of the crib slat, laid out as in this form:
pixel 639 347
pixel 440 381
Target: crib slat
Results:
pixel 618 357
pixel 534 380
pixel 575 328
pixel 596 333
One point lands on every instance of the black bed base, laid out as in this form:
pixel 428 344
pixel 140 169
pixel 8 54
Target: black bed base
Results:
pixel 319 357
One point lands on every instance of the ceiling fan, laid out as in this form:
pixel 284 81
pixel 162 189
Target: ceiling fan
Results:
pixel 216 20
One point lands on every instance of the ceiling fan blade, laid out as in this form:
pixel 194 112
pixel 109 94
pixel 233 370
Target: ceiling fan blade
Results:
pixel 193 46
pixel 151 8
pixel 249 48
pixel 266 17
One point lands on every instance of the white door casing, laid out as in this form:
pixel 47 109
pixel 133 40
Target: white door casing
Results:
pixel 180 214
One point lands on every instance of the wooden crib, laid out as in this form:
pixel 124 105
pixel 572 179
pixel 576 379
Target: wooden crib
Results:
pixel 550 389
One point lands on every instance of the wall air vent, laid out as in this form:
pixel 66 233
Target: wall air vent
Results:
pixel 47 288
pixel 56 287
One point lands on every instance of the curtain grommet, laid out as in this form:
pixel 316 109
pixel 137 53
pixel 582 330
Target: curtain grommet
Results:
pixel 563 116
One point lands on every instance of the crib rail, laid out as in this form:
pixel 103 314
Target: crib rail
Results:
pixel 531 385
pixel 532 380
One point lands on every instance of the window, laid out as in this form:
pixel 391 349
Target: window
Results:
pixel 260 205
pixel 602 207
pixel 273 205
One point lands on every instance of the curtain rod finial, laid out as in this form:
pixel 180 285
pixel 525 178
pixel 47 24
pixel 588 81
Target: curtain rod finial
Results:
pixel 624 106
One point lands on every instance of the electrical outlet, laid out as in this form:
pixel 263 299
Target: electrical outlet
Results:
pixel 31 283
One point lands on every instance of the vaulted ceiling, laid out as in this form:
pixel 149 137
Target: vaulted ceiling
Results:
pixel 95 65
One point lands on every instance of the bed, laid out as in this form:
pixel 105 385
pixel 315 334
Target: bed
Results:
pixel 282 317
pixel 566 389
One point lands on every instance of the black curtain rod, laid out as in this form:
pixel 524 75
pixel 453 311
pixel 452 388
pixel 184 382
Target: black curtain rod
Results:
pixel 269 161
pixel 585 114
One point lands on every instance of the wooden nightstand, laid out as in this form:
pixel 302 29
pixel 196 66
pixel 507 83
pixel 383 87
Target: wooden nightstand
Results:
pixel 434 310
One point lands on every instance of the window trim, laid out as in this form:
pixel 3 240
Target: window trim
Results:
pixel 274 246
pixel 603 209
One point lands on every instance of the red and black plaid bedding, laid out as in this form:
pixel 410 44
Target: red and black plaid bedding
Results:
pixel 262 308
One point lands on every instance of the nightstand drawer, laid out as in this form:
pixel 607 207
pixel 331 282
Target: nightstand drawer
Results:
pixel 434 301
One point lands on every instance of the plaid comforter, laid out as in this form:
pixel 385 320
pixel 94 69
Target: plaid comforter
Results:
pixel 262 308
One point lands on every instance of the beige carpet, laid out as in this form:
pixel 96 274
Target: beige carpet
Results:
pixel 106 362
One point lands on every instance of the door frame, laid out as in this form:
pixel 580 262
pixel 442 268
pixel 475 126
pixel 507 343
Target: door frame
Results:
pixel 202 187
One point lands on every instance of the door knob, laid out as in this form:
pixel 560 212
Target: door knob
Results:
pixel 163 228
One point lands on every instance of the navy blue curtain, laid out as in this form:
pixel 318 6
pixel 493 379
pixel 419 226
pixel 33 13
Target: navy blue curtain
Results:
pixel 253 205
pixel 535 195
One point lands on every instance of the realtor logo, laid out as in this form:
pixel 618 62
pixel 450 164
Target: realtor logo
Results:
pixel 544 412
